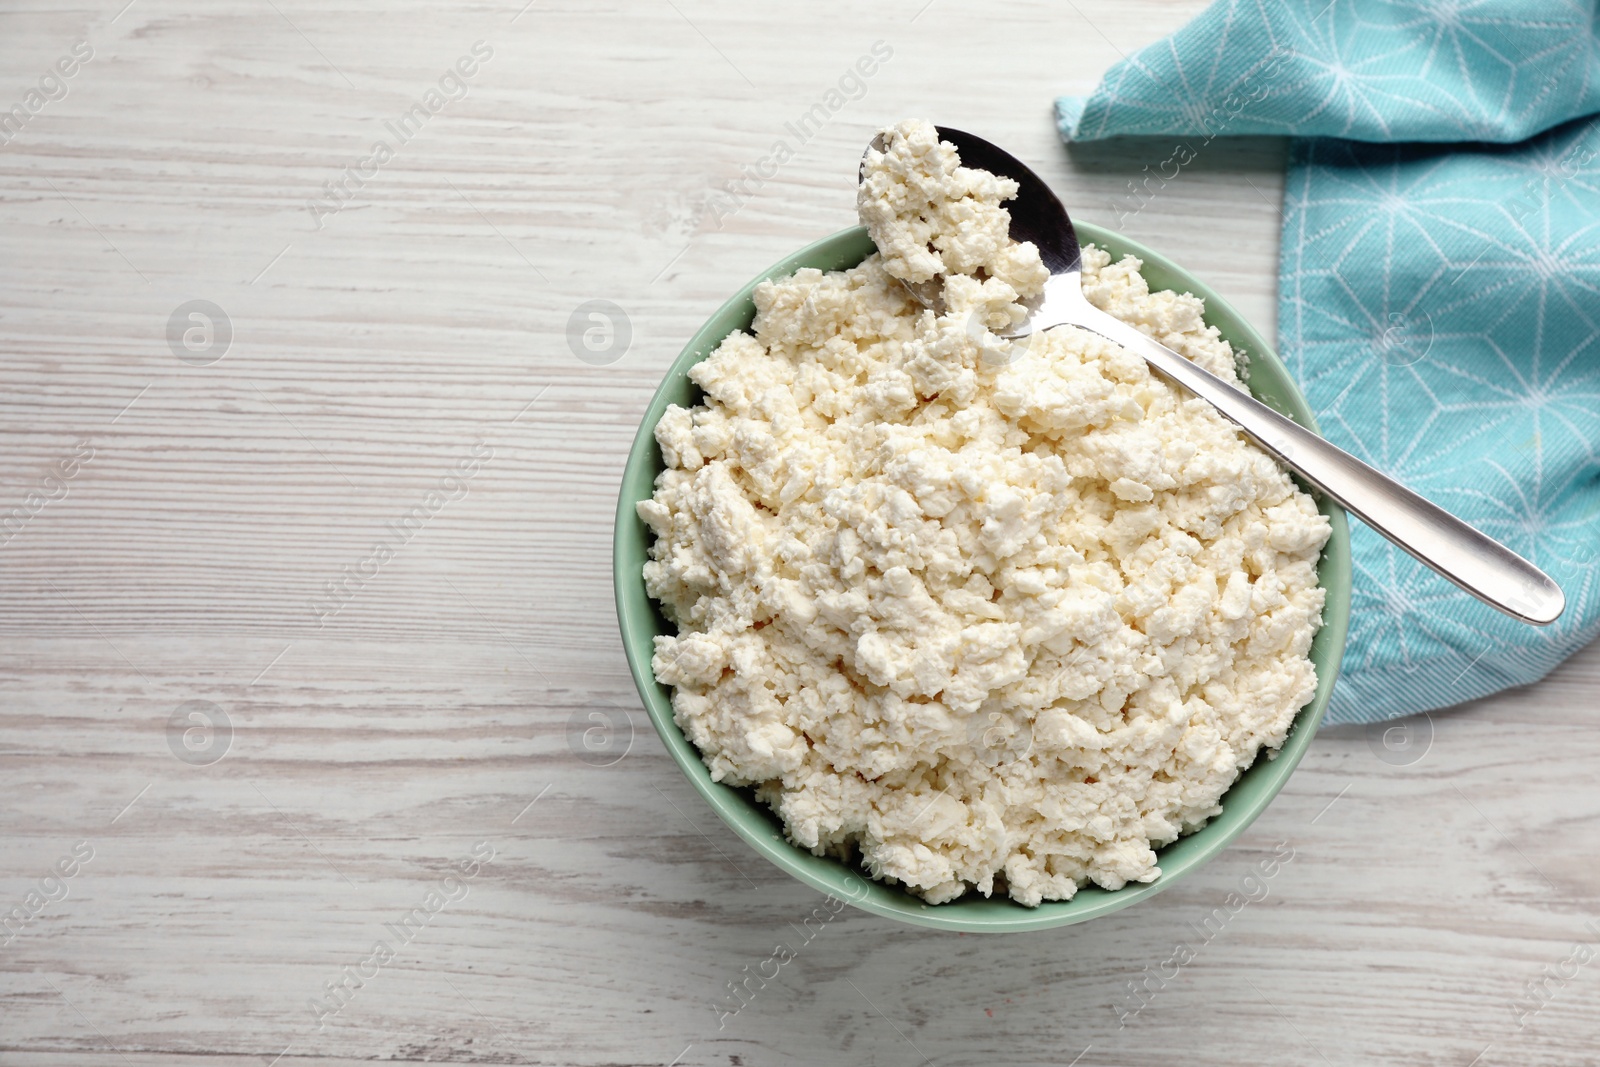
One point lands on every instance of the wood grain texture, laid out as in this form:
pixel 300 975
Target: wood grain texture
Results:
pixel 370 751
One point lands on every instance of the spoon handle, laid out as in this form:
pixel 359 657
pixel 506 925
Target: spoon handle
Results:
pixel 1481 565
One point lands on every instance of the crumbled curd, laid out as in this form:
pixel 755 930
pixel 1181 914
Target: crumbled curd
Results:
pixel 981 616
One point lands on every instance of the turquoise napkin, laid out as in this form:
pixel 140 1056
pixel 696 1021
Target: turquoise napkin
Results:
pixel 1438 291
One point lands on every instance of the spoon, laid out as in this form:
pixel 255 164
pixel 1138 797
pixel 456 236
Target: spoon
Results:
pixel 1478 564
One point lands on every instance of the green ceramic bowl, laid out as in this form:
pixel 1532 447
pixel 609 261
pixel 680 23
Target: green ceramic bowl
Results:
pixel 641 620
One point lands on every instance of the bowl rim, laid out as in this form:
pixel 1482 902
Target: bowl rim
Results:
pixel 633 607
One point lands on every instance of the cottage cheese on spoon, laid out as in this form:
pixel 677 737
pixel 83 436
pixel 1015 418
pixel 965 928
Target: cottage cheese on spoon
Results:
pixel 984 616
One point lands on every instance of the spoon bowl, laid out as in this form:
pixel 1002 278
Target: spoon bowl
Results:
pixel 1037 214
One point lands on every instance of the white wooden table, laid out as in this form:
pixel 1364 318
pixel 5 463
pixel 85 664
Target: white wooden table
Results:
pixel 185 510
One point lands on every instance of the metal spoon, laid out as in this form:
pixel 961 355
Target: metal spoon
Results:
pixel 1481 565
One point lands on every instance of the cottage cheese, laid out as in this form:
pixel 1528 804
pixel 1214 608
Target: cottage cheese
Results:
pixel 979 617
